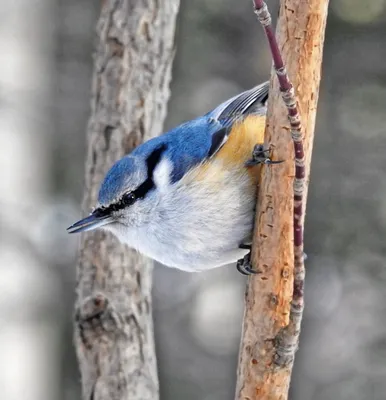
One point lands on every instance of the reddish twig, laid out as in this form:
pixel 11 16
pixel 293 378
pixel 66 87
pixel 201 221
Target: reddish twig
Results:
pixel 287 340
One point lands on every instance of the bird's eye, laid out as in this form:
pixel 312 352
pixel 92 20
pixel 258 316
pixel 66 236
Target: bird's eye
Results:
pixel 128 199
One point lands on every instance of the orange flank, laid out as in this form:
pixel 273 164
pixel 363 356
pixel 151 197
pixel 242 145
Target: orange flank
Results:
pixel 234 154
pixel 242 139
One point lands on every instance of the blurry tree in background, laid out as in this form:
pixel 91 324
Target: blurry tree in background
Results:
pixel 45 79
pixel 130 90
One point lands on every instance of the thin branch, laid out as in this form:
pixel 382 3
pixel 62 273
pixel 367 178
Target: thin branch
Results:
pixel 274 298
pixel 288 340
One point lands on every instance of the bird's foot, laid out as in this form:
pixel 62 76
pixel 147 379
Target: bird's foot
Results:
pixel 260 156
pixel 244 264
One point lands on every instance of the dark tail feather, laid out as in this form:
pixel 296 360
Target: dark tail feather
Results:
pixel 251 101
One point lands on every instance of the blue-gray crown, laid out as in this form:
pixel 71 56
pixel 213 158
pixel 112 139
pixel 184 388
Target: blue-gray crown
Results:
pixel 116 180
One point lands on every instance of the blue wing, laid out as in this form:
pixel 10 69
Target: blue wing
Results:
pixel 195 141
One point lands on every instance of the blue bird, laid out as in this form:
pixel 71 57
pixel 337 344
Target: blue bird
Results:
pixel 187 198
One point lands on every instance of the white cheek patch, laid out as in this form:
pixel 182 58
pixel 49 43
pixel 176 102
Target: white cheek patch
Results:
pixel 161 174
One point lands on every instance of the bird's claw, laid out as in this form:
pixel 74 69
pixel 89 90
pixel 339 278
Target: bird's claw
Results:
pixel 244 264
pixel 259 156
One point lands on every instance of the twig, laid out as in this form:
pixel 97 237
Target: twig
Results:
pixel 274 298
pixel 289 336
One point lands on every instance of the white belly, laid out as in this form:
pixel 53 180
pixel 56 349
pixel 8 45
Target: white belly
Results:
pixel 199 224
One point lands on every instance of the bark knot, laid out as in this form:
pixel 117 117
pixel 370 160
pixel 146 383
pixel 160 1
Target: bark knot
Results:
pixel 95 317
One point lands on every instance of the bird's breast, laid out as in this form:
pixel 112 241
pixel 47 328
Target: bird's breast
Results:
pixel 201 219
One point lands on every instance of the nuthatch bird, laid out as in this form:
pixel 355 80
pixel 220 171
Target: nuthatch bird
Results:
pixel 187 198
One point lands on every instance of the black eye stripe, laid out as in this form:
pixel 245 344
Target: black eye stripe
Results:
pixel 154 159
pixel 142 190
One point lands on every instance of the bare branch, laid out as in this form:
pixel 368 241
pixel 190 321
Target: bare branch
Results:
pixel 287 341
pixel 274 301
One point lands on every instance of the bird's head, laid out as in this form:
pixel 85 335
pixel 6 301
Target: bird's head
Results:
pixel 129 193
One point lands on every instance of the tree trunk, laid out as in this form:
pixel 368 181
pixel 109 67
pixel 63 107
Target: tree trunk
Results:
pixel 113 322
pixel 261 372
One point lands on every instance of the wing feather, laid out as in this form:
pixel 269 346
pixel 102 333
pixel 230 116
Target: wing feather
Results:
pixel 250 101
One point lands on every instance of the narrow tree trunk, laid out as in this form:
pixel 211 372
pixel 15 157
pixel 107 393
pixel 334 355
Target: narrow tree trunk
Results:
pixel 263 372
pixel 113 322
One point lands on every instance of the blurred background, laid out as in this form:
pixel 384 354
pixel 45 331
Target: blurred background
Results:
pixel 45 71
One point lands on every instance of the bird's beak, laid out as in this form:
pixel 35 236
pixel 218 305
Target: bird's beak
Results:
pixel 93 221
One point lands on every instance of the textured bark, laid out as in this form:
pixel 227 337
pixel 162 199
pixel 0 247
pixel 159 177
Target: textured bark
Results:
pixel 262 373
pixel 113 323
